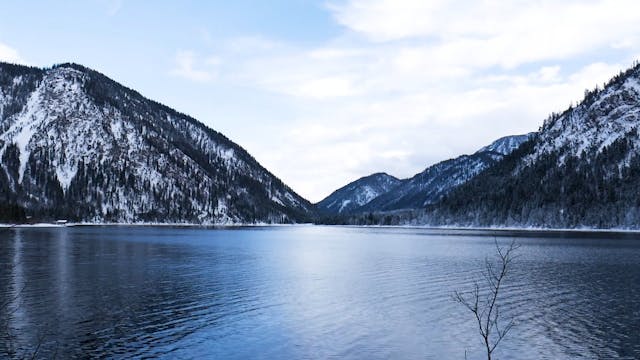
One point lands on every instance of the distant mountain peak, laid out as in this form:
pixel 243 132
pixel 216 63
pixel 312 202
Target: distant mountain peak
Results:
pixel 357 193
pixel 424 188
pixel 506 145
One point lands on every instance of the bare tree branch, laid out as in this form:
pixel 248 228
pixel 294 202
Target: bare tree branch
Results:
pixel 484 304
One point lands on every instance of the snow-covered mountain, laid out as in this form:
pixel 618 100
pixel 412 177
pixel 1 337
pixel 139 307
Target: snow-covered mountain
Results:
pixel 506 145
pixel 438 180
pixel 75 144
pixel 581 170
pixel 423 189
pixel 357 193
pixel 600 120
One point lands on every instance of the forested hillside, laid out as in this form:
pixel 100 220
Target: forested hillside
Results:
pixel 75 144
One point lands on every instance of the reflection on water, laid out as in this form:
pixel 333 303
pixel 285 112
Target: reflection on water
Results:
pixel 308 292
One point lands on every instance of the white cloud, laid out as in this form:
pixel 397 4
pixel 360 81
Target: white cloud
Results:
pixel 490 32
pixel 192 67
pixel 549 73
pixel 410 83
pixel 386 20
pixel 327 87
pixel 389 20
pixel 11 55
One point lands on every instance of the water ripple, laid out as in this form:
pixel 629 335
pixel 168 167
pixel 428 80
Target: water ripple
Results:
pixel 309 292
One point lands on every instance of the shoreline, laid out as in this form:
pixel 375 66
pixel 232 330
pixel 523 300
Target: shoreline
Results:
pixel 447 229
pixel 228 225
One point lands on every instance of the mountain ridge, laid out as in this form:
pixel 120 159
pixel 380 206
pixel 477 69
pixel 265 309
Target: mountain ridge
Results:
pixel 76 144
pixel 431 184
pixel 357 193
pixel 581 170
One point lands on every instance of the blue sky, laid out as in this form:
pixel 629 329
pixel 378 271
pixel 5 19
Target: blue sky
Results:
pixel 323 92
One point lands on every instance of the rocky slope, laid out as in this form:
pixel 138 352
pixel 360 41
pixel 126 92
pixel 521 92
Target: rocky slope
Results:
pixel 75 144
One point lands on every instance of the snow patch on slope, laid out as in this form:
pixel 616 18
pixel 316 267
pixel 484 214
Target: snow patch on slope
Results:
pixel 344 204
pixel 116 129
pixel 227 154
pixel 633 84
pixel 22 130
pixel 593 126
pixel 65 174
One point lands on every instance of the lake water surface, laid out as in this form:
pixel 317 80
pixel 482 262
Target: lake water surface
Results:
pixel 310 292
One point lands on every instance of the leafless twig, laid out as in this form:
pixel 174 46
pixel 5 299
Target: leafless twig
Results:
pixel 484 304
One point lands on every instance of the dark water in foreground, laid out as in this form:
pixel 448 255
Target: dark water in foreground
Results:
pixel 309 292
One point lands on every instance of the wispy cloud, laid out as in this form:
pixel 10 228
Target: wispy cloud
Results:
pixel 488 32
pixel 113 6
pixel 192 67
pixel 11 55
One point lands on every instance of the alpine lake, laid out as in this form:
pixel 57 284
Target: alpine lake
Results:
pixel 311 292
